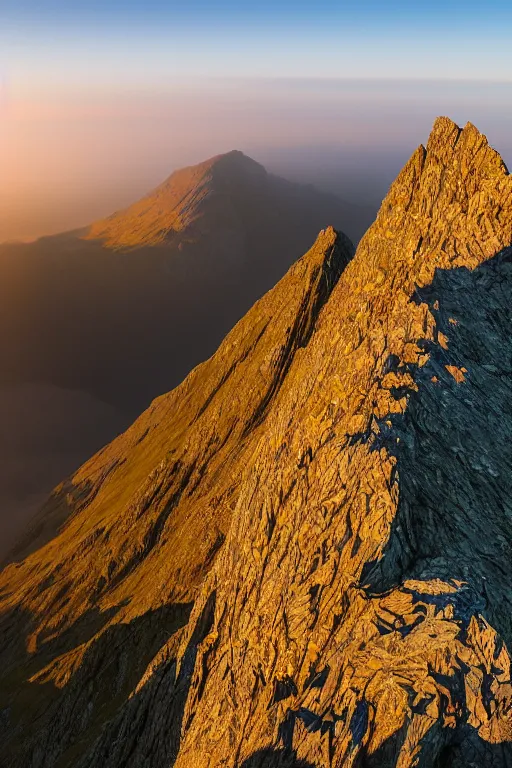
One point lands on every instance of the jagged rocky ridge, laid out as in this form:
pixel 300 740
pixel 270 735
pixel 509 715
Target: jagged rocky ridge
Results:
pixel 328 498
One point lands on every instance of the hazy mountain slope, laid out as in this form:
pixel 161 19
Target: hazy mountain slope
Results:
pixel 124 310
pixel 216 196
pixel 45 433
pixel 124 313
pixel 347 555
pixel 222 194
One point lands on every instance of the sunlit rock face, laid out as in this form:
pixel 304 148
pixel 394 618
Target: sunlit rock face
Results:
pixel 362 598
pixel 301 556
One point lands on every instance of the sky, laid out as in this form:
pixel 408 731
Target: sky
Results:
pixel 99 101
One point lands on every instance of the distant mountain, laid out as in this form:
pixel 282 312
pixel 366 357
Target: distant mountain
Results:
pixel 124 309
pixel 228 196
pixel 300 557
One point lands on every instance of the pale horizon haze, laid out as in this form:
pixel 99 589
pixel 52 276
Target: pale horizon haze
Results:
pixel 100 102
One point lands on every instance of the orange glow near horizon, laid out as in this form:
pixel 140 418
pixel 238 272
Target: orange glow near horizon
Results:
pixel 68 158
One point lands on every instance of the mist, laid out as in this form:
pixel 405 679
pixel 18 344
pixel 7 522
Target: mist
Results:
pixel 71 156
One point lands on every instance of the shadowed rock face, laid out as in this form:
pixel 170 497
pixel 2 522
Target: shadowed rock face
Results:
pixel 331 491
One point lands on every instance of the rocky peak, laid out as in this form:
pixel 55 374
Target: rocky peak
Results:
pixel 300 557
pixel 237 162
pixel 362 597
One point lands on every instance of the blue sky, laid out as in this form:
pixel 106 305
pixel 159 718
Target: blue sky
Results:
pixel 194 13
pixel 138 44
pixel 101 99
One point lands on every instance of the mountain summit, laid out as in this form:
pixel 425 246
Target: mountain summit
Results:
pixel 301 555
pixel 181 203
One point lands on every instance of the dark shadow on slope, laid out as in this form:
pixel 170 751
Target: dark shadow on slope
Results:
pixel 454 518
pixel 275 758
pixel 46 725
pixel 386 755
pixel 439 749
pixel 124 327
pixel 470 751
pixel 146 730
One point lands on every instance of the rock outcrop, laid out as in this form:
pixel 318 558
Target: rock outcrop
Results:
pixel 301 556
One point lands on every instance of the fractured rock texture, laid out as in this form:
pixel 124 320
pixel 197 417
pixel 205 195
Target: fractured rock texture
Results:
pixel 363 594
pixel 331 493
pixel 145 519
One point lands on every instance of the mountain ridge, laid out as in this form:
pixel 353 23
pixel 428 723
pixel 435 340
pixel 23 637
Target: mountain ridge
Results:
pixel 320 570
pixel 164 476
pixel 378 655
